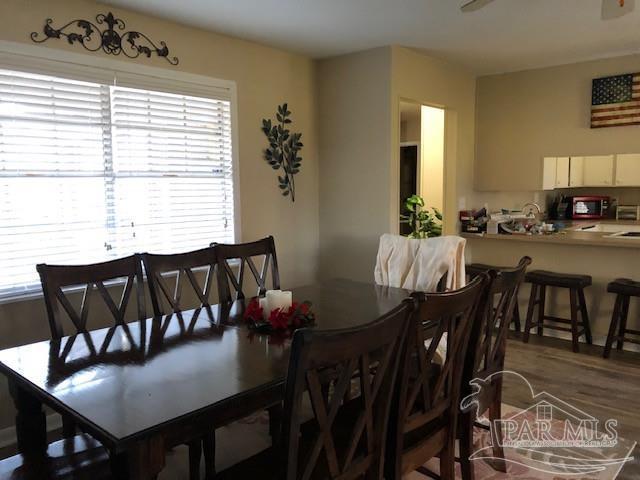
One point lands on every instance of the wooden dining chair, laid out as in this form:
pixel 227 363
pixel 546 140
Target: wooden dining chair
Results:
pixel 78 458
pixel 183 266
pixel 59 284
pixel 424 420
pixel 55 279
pixel 342 440
pixel 90 278
pixel 93 277
pixel 245 254
pixel 485 361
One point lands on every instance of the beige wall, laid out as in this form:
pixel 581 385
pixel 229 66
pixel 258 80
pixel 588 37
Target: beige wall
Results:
pixel 410 123
pixel 355 146
pixel 434 82
pixel 432 157
pixel 524 116
pixel 359 99
pixel 265 77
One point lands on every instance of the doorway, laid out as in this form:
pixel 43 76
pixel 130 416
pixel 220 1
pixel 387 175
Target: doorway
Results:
pixel 422 140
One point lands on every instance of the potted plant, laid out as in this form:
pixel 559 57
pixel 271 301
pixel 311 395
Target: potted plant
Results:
pixel 424 223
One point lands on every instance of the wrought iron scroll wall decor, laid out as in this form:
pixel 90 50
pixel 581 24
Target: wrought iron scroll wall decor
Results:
pixel 111 38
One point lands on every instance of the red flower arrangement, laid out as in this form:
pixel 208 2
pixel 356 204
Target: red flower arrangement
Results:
pixel 280 319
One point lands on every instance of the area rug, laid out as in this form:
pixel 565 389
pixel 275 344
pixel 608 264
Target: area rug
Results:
pixel 250 435
pixel 528 464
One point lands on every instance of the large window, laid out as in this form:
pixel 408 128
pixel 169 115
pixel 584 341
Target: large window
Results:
pixel 93 171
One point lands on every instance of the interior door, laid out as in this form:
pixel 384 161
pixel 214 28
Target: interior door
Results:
pixel 408 179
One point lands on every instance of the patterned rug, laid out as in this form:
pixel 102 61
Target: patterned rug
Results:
pixel 542 465
pixel 250 435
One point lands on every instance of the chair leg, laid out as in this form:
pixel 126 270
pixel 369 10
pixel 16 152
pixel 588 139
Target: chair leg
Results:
pixel 275 420
pixel 448 458
pixel 466 445
pixel 573 298
pixel 195 451
pixel 623 322
pixel 530 309
pixel 68 427
pixel 541 307
pixel 495 414
pixel 615 318
pixel 585 316
pixel 209 447
pixel 516 316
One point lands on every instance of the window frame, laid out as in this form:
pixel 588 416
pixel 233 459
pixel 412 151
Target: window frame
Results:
pixel 77 66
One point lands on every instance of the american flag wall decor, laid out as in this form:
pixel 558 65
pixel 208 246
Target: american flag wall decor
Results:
pixel 615 101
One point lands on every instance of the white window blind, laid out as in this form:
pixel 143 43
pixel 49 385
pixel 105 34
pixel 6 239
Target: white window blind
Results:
pixel 91 172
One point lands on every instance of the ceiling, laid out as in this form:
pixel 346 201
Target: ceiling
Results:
pixel 507 35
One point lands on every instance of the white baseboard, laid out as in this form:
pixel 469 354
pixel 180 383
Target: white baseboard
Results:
pixel 8 435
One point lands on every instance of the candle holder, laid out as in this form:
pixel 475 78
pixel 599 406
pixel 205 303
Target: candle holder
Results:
pixel 279 319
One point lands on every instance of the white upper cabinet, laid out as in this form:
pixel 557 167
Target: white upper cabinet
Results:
pixel 576 172
pixel 598 171
pixel 562 172
pixel 549 173
pixel 555 172
pixel 628 170
pixel 621 170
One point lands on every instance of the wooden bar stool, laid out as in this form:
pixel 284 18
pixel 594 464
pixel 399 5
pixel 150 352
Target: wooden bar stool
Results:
pixel 475 269
pixel 540 280
pixel 624 290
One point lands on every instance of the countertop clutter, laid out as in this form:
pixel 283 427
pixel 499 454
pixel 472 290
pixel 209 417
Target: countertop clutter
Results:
pixel 607 233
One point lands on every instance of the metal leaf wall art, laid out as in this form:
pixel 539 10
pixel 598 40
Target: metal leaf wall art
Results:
pixel 108 34
pixel 283 150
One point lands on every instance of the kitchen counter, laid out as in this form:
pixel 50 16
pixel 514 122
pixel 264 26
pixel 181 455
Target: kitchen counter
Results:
pixel 570 236
pixel 578 252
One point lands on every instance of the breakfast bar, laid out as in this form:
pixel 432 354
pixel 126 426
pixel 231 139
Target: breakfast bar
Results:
pixel 576 249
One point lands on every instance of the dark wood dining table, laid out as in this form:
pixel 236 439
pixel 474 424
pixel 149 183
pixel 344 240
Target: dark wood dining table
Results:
pixel 144 386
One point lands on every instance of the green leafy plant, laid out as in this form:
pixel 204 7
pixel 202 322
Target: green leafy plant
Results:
pixel 283 151
pixel 425 223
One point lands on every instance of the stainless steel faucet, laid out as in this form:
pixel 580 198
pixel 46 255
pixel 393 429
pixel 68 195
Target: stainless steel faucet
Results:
pixel 534 205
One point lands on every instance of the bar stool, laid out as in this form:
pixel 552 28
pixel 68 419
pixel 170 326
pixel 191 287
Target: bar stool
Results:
pixel 624 290
pixel 475 269
pixel 540 280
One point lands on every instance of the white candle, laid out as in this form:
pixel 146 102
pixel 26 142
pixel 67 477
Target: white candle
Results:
pixel 272 297
pixel 286 299
pixel 278 299
pixel 265 307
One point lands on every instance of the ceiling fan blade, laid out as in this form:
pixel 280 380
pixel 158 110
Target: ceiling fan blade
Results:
pixel 612 9
pixel 474 5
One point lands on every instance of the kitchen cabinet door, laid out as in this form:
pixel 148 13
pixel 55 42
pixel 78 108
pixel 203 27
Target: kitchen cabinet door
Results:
pixel 549 165
pixel 562 172
pixel 598 171
pixel 576 172
pixel 628 170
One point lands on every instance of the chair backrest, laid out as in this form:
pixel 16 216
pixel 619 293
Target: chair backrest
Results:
pixel 182 265
pixel 491 325
pixel 345 439
pixel 245 254
pixel 92 277
pixel 429 387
